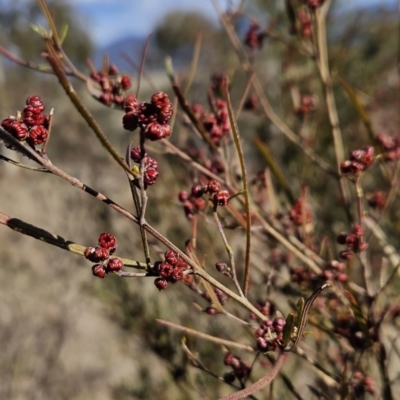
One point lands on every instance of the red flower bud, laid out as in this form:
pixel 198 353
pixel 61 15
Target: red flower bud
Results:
pixel 114 264
pixel 99 271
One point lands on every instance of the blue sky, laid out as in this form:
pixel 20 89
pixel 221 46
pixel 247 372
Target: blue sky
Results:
pixel 110 20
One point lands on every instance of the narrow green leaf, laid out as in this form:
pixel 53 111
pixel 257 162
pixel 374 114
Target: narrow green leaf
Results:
pixel 39 30
pixel 288 329
pixel 299 311
pixel 63 33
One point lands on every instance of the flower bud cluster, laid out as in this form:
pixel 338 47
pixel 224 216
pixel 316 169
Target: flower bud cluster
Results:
pixel 193 202
pixel 170 270
pixel 362 384
pixel 222 297
pixel 359 161
pixel 101 255
pixel 151 173
pixel 353 241
pixel 307 105
pixel 335 271
pixel 31 125
pixel 301 212
pixel 113 86
pixel 305 25
pixel 270 335
pixel 217 125
pixel 303 276
pixel 265 307
pixel 240 369
pixel 151 117
pixel 254 36
pixel 391 146
pixel 377 200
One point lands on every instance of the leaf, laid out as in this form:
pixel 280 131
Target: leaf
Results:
pixel 288 329
pixel 63 33
pixel 39 30
pixel 299 311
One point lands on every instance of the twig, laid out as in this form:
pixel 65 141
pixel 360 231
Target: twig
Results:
pixel 69 90
pixel 142 61
pixel 55 240
pixel 255 387
pixel 229 251
pixel 214 339
pixel 239 152
pixel 330 101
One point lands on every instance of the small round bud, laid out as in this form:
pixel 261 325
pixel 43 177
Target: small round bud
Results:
pixel 177 274
pixel 342 277
pixel 161 283
pixel 96 254
pixel 229 377
pixel 165 270
pixel 262 344
pixel 351 241
pixel 125 82
pixel 221 267
pixel 346 255
pixel 197 190
pixel 211 311
pixel 171 257
pixel 136 154
pixel 221 198
pixel 108 241
pixel 132 104
pixel 229 359
pixel 199 204
pixel 37 104
pixel 114 264
pixel 358 230
pixel 150 176
pixel 278 324
pixel 112 69
pixel 328 275
pixel 99 271
pixel 362 246
pixel 183 196
pixel 243 371
pixel 37 135
pixel 341 238
pixel 213 186
pixel 130 121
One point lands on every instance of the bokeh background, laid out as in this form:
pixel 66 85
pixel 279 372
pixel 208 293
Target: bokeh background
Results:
pixel 65 334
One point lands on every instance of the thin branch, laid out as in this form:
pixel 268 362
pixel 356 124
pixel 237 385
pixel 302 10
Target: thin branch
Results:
pixel 239 151
pixel 264 381
pixel 23 166
pixel 229 251
pixel 205 336
pixel 55 240
pixel 77 183
pixel 142 61
pixel 194 63
pixel 69 90
pixel 326 79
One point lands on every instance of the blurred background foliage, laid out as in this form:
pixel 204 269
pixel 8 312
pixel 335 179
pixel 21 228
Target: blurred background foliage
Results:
pixel 67 335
